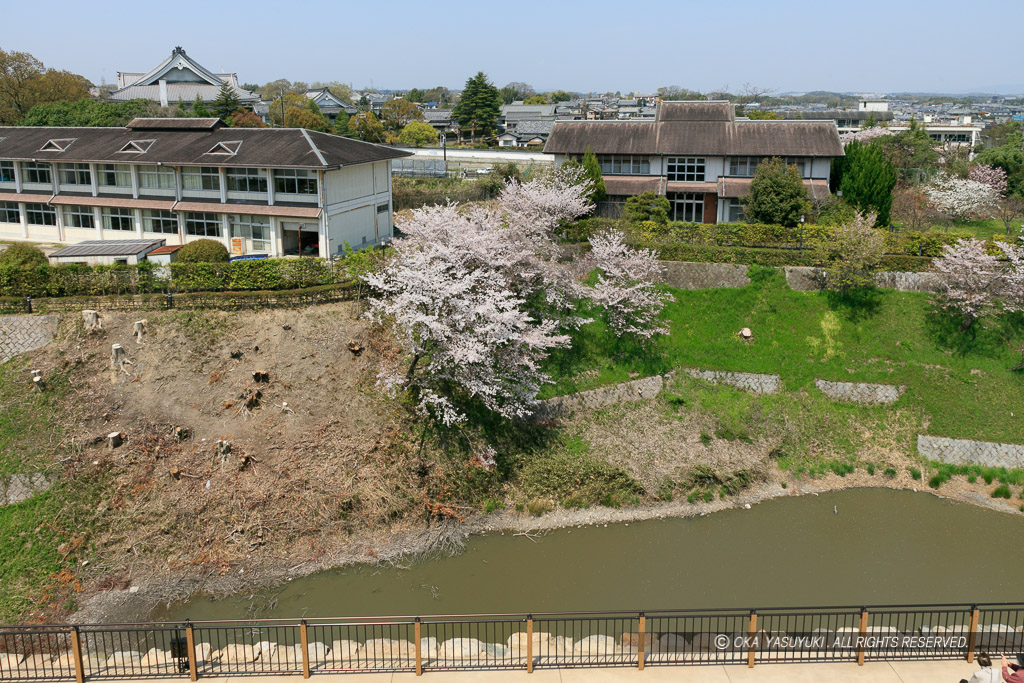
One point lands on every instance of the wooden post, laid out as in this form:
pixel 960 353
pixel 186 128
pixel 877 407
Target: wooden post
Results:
pixel 304 641
pixel 417 629
pixel 529 644
pixel 972 634
pixel 76 653
pixel 640 642
pixel 863 631
pixel 190 647
pixel 752 629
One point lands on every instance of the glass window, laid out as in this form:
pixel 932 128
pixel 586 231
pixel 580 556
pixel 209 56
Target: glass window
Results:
pixel 6 171
pixel 156 177
pixel 202 224
pixel 254 228
pixel 115 175
pixel 688 169
pixel 9 213
pixel 200 178
pixel 118 219
pixel 624 164
pixel 40 214
pixel 246 180
pixel 294 181
pixel 158 220
pixel 36 172
pixel 78 217
pixel 688 208
pixel 735 211
pixel 74 174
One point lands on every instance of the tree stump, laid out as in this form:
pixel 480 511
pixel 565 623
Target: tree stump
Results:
pixel 746 334
pixel 260 377
pixel 115 439
pixel 37 380
pixel 91 320
pixel 118 358
pixel 222 449
pixel 138 330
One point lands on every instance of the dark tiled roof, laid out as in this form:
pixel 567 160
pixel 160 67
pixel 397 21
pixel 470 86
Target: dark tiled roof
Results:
pixel 261 147
pixel 696 111
pixel 174 124
pixel 108 248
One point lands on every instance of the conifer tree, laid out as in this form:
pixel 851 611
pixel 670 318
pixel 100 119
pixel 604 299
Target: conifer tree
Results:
pixel 868 180
pixel 226 102
pixel 479 106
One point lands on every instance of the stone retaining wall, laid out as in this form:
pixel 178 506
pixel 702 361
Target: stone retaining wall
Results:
pixel 634 390
pixel 688 275
pixel 24 333
pixel 806 279
pixel 759 384
pixel 964 452
pixel 18 487
pixel 860 393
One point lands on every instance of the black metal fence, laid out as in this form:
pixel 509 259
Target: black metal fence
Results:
pixel 510 641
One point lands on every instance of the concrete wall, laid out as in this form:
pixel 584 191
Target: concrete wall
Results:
pixel 804 278
pixel 687 275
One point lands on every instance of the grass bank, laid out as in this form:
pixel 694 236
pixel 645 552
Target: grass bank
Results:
pixel 959 382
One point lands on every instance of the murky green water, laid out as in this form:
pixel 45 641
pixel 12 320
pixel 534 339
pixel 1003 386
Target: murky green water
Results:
pixel 882 547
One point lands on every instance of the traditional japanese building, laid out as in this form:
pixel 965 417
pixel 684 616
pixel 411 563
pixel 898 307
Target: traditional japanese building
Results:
pixel 179 78
pixel 275 191
pixel 698 154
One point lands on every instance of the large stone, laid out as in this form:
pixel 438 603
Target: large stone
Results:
pixel 267 651
pixel 158 659
pixel 384 650
pixel 673 642
pixel 317 652
pixel 344 651
pixel 9 662
pixel 460 649
pixel 127 661
pixel 596 646
pixel 237 653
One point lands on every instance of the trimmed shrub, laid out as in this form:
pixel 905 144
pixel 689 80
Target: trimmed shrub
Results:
pixel 203 251
pixel 22 256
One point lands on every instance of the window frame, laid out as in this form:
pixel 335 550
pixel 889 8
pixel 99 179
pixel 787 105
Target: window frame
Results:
pixel 296 177
pixel 192 218
pixel 5 209
pixel 150 221
pixel 6 166
pixel 43 211
pixel 614 164
pixel 686 169
pixel 688 202
pixel 32 171
pixel 201 175
pixel 104 171
pixel 73 214
pixel 241 225
pixel 116 215
pixel 159 172
pixel 248 176
pixel 73 174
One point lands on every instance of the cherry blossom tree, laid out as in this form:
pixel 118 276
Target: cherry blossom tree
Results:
pixel 477 296
pixel 865 134
pixel 1013 277
pixel 851 254
pixel 960 198
pixel 625 286
pixel 993 176
pixel 970 275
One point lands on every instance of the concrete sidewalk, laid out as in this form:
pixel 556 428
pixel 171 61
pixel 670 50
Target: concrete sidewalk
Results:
pixel 872 672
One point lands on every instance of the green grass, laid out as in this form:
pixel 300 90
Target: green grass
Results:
pixel 960 381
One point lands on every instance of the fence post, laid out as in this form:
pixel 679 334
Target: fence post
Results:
pixel 863 631
pixel 529 643
pixel 170 301
pixel 640 642
pixel 417 629
pixel 972 633
pixel 304 641
pixel 751 630
pixel 28 303
pixel 76 653
pixel 190 647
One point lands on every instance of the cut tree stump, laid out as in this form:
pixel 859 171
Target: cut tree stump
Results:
pixel 139 330
pixel 222 449
pixel 37 380
pixel 115 439
pixel 260 377
pixel 118 358
pixel 91 320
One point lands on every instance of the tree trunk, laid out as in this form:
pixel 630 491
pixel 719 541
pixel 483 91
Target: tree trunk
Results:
pixel 138 330
pixel 91 319
pixel 115 439
pixel 117 356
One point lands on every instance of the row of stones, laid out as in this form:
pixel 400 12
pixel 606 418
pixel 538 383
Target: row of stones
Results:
pixel 545 647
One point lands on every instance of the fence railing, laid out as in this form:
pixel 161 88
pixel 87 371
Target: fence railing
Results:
pixel 510 641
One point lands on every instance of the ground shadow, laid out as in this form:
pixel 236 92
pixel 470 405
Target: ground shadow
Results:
pixel 855 305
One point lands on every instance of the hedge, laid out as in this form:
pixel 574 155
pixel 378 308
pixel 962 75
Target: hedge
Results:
pixel 146 277
pixel 775 258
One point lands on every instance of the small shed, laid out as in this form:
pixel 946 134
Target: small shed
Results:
pixel 106 252
pixel 163 255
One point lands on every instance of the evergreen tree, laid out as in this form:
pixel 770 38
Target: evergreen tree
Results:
pixel 226 103
pixel 777 195
pixel 868 180
pixel 199 109
pixel 341 125
pixel 479 106
pixel 593 171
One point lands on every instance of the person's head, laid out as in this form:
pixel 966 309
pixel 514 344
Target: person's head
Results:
pixel 984 659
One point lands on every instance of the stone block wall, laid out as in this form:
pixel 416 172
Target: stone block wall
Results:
pixel 807 279
pixel 965 452
pixel 759 384
pixel 634 390
pixel 687 275
pixel 24 333
pixel 860 393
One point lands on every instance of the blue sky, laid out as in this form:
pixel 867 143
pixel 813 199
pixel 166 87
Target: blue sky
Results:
pixel 600 45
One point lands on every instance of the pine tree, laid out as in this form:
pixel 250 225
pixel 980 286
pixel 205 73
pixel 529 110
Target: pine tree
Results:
pixel 226 102
pixel 199 109
pixel 868 180
pixel 593 171
pixel 479 106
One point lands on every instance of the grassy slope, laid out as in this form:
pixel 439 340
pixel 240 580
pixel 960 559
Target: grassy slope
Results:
pixel 960 382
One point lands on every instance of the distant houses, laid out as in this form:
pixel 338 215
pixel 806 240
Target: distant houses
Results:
pixel 179 78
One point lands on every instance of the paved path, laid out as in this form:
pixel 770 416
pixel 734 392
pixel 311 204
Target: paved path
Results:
pixel 872 672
